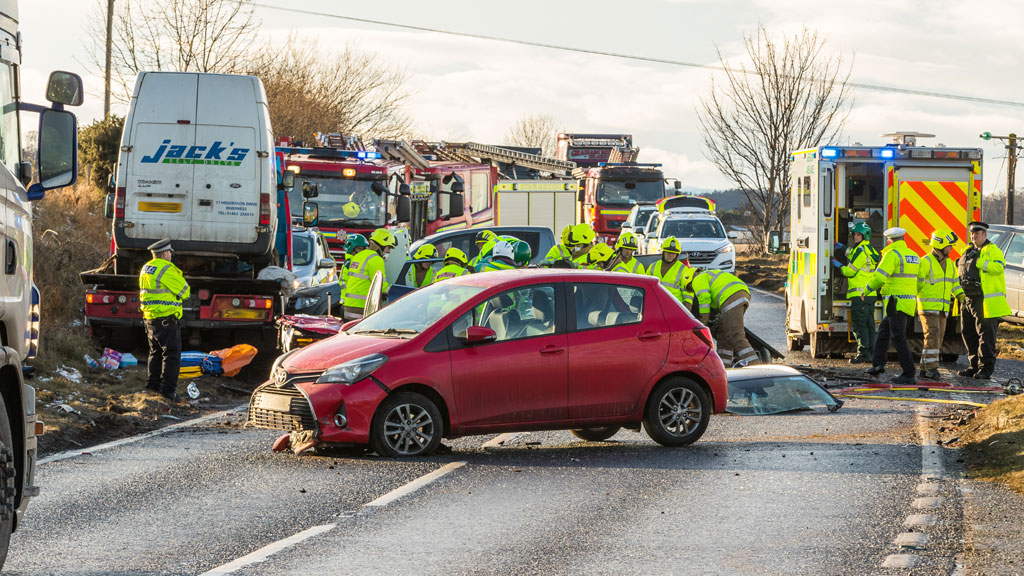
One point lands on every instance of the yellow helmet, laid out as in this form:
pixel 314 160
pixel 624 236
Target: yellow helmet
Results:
pixel 350 209
pixel 671 245
pixel 384 238
pixel 626 240
pixel 941 238
pixel 425 252
pixel 567 235
pixel 457 255
pixel 582 234
pixel 687 275
pixel 485 236
pixel 600 254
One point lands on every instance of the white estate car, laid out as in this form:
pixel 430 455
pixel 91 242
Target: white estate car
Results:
pixel 702 236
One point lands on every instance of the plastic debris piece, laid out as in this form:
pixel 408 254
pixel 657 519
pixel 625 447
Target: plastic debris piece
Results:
pixel 128 359
pixel 89 361
pixel 110 359
pixel 193 390
pixel 235 358
pixel 71 374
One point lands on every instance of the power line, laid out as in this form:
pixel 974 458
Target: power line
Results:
pixel 875 87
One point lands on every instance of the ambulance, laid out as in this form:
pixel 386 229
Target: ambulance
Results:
pixel 916 187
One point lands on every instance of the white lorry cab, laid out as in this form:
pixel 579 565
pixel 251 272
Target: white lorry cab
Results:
pixel 918 188
pixel 196 167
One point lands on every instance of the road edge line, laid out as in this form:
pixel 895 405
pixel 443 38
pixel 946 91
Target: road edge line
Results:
pixel 257 556
pixel 131 439
pixel 415 485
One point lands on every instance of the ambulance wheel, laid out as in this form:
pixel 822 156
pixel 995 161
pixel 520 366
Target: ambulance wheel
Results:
pixel 818 344
pixel 794 344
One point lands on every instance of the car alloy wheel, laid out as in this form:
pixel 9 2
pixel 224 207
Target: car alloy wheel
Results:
pixel 677 412
pixel 407 424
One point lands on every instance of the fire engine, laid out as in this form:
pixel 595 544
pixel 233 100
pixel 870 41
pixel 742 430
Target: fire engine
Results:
pixel 918 188
pixel 609 191
pixel 589 150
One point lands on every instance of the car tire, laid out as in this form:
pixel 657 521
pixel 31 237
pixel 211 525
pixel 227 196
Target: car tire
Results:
pixel 599 434
pixel 406 424
pixel 675 398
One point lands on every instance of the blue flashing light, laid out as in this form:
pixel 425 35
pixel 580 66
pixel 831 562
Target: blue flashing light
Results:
pixel 364 155
pixel 887 153
pixel 829 152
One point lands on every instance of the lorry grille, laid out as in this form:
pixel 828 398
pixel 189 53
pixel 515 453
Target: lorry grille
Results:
pixel 702 257
pixel 284 408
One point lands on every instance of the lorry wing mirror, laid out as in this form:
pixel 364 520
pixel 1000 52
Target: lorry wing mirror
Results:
pixel 678 185
pixel 403 209
pixel 108 205
pixel 378 187
pixel 64 88
pixel 58 152
pixel 581 195
pixel 25 173
pixel 774 241
pixel 458 187
pixel 404 190
pixel 310 214
pixel 310 190
pixel 455 206
pixel 288 179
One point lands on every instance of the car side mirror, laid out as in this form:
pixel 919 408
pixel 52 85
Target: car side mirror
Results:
pixel 108 205
pixel 326 263
pixel 288 179
pixel 310 190
pixel 455 206
pixel 403 209
pixel 378 187
pixel 774 241
pixel 626 226
pixel 310 214
pixel 477 335
pixel 581 195
pixel 733 235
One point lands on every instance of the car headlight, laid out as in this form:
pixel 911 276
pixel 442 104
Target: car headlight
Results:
pixel 306 302
pixel 352 371
pixel 725 249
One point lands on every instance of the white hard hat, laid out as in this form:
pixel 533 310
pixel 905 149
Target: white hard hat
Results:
pixel 895 232
pixel 502 249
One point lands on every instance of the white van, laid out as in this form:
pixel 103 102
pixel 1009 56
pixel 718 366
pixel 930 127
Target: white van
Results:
pixel 196 166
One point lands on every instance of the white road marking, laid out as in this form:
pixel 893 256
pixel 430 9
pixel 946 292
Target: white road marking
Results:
pixel 194 422
pixel 268 551
pixel 920 520
pixel 900 561
pixel 912 540
pixel 767 293
pixel 926 502
pixel 415 484
pixel 501 439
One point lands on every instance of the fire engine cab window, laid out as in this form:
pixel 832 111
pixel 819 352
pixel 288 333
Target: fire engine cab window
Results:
pixel 515 314
pixel 612 192
pixel 603 305
pixel 9 120
pixel 481 184
pixel 341 202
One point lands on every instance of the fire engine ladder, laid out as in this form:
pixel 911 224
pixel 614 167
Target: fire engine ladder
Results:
pixel 623 155
pixel 526 160
pixel 400 151
pixel 339 141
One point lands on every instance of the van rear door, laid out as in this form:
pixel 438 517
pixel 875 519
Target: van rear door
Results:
pixel 226 203
pixel 930 197
pixel 163 132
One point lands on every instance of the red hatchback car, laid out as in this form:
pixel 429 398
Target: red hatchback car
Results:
pixel 498 352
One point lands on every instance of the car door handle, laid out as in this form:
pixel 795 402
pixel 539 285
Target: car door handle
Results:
pixel 648 335
pixel 552 350
pixel 12 258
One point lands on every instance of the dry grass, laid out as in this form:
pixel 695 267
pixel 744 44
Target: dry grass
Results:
pixel 994 448
pixel 764 271
pixel 1011 341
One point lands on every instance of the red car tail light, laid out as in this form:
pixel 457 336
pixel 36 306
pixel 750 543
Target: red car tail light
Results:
pixel 704 333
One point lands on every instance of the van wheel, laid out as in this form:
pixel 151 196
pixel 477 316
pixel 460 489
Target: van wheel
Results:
pixel 595 434
pixel 406 424
pixel 677 412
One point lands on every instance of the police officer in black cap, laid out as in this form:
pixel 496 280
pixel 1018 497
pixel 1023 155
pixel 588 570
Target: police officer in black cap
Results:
pixel 984 283
pixel 162 289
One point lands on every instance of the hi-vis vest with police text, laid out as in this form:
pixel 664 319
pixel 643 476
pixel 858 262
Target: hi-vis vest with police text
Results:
pixel 897 273
pixel 162 287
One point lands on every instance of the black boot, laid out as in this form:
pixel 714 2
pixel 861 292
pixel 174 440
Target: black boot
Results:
pixel 876 370
pixel 968 372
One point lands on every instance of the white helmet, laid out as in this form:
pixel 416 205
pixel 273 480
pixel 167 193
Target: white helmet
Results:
pixel 502 249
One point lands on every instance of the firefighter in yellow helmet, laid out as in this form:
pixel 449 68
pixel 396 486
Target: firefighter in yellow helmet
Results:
pixel 361 270
pixel 625 248
pixel 599 256
pixel 897 276
pixel 455 263
pixel 485 240
pixel 582 237
pixel 420 273
pixel 669 270
pixel 562 250
pixel 728 296
pixel 937 286
pixel 162 289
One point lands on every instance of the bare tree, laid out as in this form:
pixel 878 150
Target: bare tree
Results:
pixel 534 131
pixel 792 96
pixel 350 91
pixel 176 35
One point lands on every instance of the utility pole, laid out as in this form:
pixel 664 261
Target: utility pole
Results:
pixel 106 85
pixel 1011 168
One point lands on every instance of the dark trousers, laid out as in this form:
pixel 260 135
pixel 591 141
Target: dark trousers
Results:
pixel 979 333
pixel 894 328
pixel 164 337
pixel 862 320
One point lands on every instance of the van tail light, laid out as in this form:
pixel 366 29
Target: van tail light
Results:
pixel 119 195
pixel 704 333
pixel 264 209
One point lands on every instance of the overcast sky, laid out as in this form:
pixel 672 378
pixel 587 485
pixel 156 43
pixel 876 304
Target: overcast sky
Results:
pixel 474 89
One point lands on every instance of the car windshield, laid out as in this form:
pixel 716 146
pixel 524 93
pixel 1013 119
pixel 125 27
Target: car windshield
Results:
pixel 641 219
pixel 417 311
pixel 693 229
pixel 616 192
pixel 774 395
pixel 341 202
pixel 302 250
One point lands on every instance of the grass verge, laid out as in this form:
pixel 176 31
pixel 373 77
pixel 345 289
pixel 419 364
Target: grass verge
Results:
pixel 993 443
